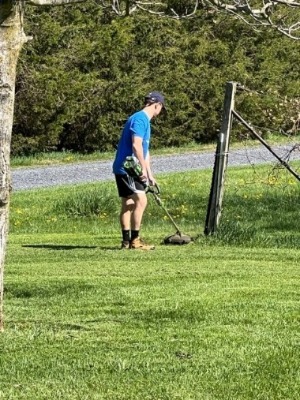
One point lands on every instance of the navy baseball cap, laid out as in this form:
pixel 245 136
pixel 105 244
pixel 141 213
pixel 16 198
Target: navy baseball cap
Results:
pixel 155 97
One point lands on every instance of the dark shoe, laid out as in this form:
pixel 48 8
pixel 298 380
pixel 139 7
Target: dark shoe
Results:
pixel 125 245
pixel 138 243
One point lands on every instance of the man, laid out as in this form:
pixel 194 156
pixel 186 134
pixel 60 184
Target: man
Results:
pixel 134 141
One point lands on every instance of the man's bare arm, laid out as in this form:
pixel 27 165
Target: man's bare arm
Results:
pixel 137 147
pixel 149 170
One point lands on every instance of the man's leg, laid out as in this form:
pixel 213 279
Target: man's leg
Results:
pixel 140 204
pixel 140 201
pixel 133 205
pixel 127 207
pixel 132 212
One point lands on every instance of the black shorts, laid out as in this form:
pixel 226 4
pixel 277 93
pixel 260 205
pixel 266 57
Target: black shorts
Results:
pixel 128 185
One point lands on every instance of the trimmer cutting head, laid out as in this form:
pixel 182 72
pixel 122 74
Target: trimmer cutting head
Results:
pixel 178 238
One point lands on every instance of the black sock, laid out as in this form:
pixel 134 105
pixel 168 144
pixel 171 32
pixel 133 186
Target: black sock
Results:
pixel 126 235
pixel 134 234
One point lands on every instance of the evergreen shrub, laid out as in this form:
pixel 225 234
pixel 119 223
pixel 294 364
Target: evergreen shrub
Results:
pixel 85 71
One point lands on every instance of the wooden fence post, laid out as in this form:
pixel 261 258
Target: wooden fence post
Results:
pixel 214 208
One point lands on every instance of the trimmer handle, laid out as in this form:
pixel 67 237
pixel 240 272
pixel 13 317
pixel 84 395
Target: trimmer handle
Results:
pixel 153 189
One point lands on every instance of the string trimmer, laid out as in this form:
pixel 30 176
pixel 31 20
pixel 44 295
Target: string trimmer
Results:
pixel 178 237
pixel 134 169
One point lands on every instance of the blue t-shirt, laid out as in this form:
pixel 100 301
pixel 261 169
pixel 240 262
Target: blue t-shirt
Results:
pixel 137 125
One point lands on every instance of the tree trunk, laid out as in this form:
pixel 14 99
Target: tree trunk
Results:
pixel 12 38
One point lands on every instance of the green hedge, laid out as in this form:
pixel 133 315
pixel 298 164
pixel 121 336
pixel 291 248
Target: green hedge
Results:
pixel 85 71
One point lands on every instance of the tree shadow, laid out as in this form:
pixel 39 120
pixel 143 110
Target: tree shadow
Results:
pixel 68 247
pixel 57 246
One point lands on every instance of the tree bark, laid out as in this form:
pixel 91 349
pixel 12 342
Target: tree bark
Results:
pixel 12 38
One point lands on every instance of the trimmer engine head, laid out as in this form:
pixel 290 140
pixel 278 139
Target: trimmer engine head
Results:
pixel 178 238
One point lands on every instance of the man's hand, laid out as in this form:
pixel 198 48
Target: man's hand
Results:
pixel 151 180
pixel 144 176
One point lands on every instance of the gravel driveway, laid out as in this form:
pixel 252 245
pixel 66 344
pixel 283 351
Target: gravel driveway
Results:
pixel 41 177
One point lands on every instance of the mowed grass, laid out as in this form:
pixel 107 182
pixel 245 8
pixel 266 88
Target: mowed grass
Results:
pixel 215 319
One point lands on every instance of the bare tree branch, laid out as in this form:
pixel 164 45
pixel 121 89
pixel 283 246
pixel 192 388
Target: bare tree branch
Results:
pixel 272 14
pixel 52 2
pixel 281 15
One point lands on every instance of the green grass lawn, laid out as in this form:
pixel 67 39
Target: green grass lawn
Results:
pixel 215 319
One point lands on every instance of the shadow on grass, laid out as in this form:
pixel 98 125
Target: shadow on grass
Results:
pixel 48 290
pixel 57 246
